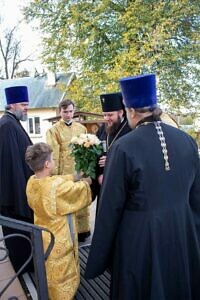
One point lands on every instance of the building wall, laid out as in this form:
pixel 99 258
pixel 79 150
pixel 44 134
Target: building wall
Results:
pixel 37 132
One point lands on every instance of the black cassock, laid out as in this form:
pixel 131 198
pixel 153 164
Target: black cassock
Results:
pixel 123 129
pixel 14 174
pixel 147 228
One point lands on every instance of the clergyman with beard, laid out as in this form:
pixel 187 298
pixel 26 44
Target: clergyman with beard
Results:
pixel 14 172
pixel 115 126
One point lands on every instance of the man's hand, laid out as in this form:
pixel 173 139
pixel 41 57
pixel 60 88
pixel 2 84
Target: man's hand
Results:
pixel 100 179
pixel 102 161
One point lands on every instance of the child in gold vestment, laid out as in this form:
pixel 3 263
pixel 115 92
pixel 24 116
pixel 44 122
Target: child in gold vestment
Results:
pixel 55 200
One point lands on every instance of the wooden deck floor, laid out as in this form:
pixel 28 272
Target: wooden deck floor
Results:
pixel 95 289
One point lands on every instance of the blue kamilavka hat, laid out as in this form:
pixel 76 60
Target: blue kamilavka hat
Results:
pixel 16 94
pixel 111 102
pixel 139 91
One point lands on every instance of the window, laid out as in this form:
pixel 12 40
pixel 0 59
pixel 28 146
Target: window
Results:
pixel 34 125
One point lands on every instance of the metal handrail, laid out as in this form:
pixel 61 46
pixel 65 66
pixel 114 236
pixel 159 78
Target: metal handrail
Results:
pixel 37 252
pixel 7 252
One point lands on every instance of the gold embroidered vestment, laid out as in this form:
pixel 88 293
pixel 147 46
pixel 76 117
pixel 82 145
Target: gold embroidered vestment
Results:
pixel 59 137
pixel 53 199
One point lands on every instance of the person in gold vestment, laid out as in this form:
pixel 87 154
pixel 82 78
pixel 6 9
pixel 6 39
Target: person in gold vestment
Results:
pixel 55 200
pixel 59 137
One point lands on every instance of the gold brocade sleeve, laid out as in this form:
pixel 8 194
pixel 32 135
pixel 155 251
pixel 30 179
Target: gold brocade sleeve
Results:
pixel 52 140
pixel 69 177
pixel 72 196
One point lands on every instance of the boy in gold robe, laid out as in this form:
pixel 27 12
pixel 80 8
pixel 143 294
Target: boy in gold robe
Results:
pixel 55 200
pixel 59 137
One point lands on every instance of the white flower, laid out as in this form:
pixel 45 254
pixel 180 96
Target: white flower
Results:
pixel 86 139
pixel 86 149
pixel 74 140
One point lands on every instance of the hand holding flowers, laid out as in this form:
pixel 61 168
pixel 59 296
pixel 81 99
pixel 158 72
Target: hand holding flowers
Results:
pixel 86 149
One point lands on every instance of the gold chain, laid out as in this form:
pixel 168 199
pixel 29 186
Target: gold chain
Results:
pixel 117 134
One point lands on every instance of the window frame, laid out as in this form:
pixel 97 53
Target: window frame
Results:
pixel 32 130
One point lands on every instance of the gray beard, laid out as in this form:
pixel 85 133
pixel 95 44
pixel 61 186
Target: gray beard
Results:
pixel 20 115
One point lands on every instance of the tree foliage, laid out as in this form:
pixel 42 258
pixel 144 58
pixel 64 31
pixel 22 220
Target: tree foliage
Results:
pixel 109 39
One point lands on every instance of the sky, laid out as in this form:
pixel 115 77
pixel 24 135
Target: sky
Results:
pixel 10 15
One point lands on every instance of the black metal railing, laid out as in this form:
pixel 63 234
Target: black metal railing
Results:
pixel 37 253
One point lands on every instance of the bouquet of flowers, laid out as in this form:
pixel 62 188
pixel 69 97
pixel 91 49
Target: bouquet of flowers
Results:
pixel 86 149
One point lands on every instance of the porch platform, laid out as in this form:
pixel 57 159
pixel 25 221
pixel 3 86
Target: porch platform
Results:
pixel 24 288
pixel 94 289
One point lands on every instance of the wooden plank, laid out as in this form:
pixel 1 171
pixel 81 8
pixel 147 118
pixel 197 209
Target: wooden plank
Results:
pixel 98 288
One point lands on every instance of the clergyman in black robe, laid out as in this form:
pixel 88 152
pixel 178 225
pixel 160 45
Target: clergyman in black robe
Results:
pixel 115 126
pixel 14 171
pixel 148 225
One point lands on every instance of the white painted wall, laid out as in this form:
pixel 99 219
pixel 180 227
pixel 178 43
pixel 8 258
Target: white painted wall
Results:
pixel 44 124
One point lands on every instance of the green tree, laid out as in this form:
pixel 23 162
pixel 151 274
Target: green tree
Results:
pixel 109 39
